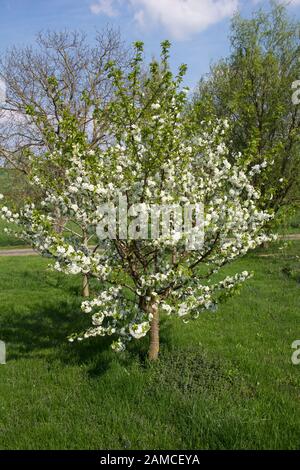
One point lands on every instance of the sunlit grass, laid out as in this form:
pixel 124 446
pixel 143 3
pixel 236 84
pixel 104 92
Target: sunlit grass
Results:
pixel 225 381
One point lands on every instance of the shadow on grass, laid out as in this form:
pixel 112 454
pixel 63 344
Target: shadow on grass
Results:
pixel 41 331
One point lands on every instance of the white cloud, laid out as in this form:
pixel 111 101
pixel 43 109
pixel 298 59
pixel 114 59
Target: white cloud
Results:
pixel 107 7
pixel 180 18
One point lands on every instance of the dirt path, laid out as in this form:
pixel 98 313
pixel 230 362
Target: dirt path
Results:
pixel 30 252
pixel 292 236
pixel 18 252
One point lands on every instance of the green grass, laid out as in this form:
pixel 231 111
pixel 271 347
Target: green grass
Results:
pixel 291 225
pixel 7 181
pixel 294 225
pixel 225 381
pixel 8 241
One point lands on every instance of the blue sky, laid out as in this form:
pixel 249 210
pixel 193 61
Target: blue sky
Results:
pixel 198 29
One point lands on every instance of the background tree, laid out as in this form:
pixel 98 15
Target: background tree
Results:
pixel 62 67
pixel 62 77
pixel 153 160
pixel 253 88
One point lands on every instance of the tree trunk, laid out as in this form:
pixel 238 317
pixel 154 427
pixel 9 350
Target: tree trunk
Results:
pixel 60 222
pixel 154 333
pixel 174 256
pixel 85 286
pixel 85 280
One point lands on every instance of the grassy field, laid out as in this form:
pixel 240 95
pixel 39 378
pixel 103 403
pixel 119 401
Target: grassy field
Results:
pixel 6 183
pixel 291 225
pixel 8 241
pixel 225 381
pixel 294 224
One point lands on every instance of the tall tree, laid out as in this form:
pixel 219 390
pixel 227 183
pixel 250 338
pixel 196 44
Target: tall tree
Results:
pixel 62 67
pixel 151 262
pixel 253 88
pixel 62 77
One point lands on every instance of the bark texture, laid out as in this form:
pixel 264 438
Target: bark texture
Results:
pixel 154 333
pixel 85 286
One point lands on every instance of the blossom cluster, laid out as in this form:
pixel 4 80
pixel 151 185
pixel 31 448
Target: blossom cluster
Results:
pixel 153 156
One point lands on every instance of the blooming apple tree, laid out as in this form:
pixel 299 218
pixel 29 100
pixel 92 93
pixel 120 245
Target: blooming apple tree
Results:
pixel 153 157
